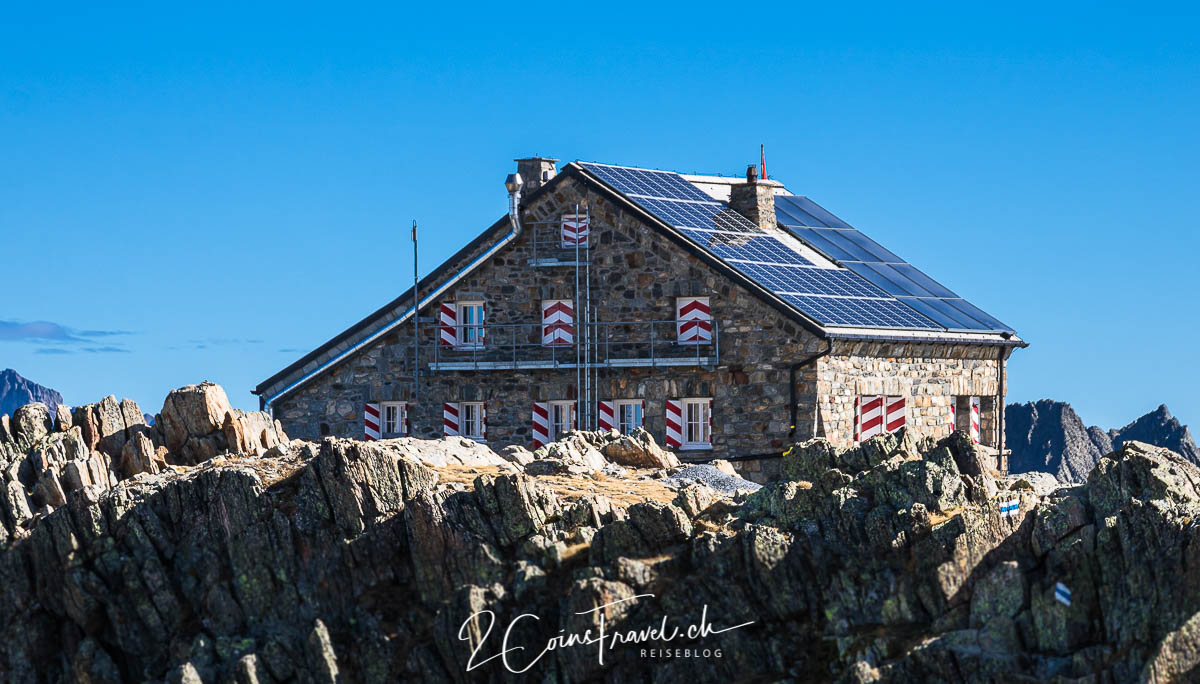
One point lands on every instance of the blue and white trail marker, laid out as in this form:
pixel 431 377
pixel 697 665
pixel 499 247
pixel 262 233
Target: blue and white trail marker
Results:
pixel 1010 508
pixel 1062 593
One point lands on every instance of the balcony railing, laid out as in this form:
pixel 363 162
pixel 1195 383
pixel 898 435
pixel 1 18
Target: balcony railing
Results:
pixel 546 240
pixel 622 344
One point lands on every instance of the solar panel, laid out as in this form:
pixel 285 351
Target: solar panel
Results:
pixel 851 248
pixel 747 247
pixel 832 296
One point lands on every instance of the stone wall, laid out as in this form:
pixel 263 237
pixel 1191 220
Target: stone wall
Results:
pixel 929 376
pixel 636 274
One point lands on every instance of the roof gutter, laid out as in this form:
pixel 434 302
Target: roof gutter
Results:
pixel 513 218
pixel 1016 343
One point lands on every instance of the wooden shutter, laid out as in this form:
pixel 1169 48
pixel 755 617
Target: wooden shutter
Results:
pixel 449 322
pixel 450 420
pixel 371 422
pixel 606 416
pixel 693 320
pixel 558 323
pixel 674 423
pixel 541 423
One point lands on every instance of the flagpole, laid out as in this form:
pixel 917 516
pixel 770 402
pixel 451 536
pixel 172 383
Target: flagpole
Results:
pixel 416 329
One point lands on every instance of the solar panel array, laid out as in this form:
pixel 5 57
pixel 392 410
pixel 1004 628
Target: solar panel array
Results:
pixel 832 296
pixel 849 247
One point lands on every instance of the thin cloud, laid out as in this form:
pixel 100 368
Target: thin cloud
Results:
pixel 51 350
pixel 105 350
pixel 42 332
pixel 289 350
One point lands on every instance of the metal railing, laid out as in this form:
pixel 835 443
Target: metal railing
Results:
pixel 546 241
pixel 606 344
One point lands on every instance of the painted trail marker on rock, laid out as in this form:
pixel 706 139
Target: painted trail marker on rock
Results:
pixel 1010 508
pixel 1062 593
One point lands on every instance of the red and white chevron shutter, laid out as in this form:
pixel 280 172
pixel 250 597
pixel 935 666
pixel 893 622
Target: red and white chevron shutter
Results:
pixel 541 424
pixel 575 229
pixel 674 423
pixel 895 413
pixel 450 419
pixel 371 422
pixel 975 419
pixel 558 323
pixel 606 418
pixel 869 417
pixel 694 320
pixel 710 421
pixel 449 321
pixel 953 414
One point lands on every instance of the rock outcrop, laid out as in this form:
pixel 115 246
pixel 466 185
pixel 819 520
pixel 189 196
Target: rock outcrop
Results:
pixel 901 560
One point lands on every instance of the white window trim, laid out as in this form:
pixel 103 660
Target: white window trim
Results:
pixel 401 418
pixel 461 324
pixel 550 428
pixel 685 445
pixel 619 403
pixel 464 424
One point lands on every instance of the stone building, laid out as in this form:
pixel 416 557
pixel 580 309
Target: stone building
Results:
pixel 728 316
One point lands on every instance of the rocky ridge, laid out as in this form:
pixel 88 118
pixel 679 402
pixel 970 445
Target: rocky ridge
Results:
pixel 1048 436
pixel 901 559
pixel 16 391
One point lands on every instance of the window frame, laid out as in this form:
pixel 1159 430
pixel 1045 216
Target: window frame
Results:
pixel 618 418
pixel 705 404
pixel 551 425
pixel 401 419
pixel 464 424
pixel 460 333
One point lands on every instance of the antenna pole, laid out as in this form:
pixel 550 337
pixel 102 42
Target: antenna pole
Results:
pixel 416 327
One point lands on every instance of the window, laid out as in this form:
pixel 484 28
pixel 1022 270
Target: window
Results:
pixel 562 418
pixel 629 415
pixel 474 420
pixel 697 423
pixel 471 317
pixel 395 419
pixel 693 320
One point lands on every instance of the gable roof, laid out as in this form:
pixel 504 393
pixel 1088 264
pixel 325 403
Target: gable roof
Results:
pixel 815 262
pixel 724 243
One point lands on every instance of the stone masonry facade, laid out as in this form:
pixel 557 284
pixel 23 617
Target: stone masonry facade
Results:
pixel 636 274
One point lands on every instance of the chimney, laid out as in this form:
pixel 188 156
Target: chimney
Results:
pixel 536 171
pixel 754 199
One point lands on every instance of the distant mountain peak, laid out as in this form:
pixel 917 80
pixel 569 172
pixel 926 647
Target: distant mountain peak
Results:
pixel 1049 436
pixel 16 391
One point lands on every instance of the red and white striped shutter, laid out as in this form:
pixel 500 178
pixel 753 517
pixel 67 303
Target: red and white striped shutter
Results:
pixel 895 413
pixel 404 417
pixel 869 417
pixel 371 422
pixel 541 424
pixel 953 414
pixel 710 421
pixel 450 419
pixel 674 423
pixel 605 417
pixel 558 323
pixel 694 320
pixel 975 419
pixel 575 230
pixel 449 320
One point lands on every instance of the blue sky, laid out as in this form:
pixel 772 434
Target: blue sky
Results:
pixel 209 192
